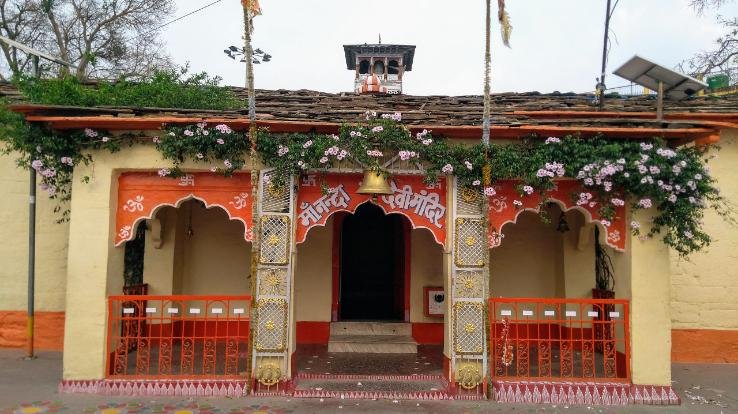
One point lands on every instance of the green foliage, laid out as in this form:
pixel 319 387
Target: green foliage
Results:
pixel 612 172
pixel 221 147
pixel 164 89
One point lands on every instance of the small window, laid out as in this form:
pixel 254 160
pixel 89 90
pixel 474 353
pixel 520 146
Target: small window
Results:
pixel 393 67
pixel 378 68
pixel 364 67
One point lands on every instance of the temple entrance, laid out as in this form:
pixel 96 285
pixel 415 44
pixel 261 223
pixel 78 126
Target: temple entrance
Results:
pixel 372 266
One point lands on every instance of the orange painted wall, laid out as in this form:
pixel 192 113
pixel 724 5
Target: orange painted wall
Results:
pixel 48 332
pixel 704 345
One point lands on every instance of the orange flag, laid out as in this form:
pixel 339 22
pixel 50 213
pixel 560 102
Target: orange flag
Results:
pixel 252 6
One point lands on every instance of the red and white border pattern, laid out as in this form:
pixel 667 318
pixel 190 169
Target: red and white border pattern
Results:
pixel 582 393
pixel 169 388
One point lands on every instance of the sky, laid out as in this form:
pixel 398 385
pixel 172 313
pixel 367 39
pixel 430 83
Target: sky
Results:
pixel 556 44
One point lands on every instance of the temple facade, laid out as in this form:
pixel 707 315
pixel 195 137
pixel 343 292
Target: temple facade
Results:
pixel 203 284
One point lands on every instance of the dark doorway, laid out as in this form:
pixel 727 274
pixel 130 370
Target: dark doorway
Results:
pixel 372 266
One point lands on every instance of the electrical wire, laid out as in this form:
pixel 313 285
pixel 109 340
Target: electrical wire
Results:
pixel 176 19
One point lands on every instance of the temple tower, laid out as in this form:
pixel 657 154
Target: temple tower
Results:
pixel 379 67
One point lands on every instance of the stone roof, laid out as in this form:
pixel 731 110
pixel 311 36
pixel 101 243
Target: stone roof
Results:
pixel 508 109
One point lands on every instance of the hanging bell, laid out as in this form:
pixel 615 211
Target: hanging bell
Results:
pixel 374 183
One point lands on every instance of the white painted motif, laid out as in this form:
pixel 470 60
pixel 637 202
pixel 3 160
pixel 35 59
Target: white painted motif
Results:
pixel 425 204
pixel 135 204
pixel 187 180
pixel 239 201
pixel 313 213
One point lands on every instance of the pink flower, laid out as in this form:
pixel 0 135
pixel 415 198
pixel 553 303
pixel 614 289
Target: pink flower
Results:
pixel 645 203
pixel 635 225
pixel 49 172
pixel 164 172
pixel 489 191
pixel 67 161
pixel 673 198
pixel 518 203
pixel 220 141
pixel 427 141
pixel 324 160
pixel 688 234
pixel 552 140
pixel 528 189
pixel 199 156
pixel 223 129
pixel 227 164
pixel 282 150
pixel 307 143
pixel 646 147
pixel 404 155
pixel 605 223
pixel 447 169
pixel 90 133
pixel 617 202
pixel 105 139
pixel 468 165
pixel 378 128
pixel 156 139
pixel 36 164
pixel 206 133
pixel 476 182
pixel 213 169
pixel 188 132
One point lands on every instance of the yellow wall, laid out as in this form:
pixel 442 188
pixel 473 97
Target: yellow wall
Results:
pixel 528 262
pixel 426 269
pixel 216 259
pixel 313 275
pixel 51 244
pixel 705 286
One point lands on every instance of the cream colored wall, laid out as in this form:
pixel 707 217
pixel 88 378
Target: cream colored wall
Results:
pixel 216 259
pixel 650 316
pixel 705 285
pixel 313 275
pixel 527 263
pixel 426 269
pixel 51 244
pixel 158 271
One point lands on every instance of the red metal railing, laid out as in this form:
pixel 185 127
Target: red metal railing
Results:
pixel 559 339
pixel 178 336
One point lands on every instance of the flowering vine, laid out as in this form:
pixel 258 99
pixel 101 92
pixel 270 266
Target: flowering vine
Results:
pixel 613 173
pixel 218 146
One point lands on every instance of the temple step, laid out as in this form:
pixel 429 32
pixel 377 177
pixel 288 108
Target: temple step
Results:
pixel 377 344
pixel 371 328
pixel 372 388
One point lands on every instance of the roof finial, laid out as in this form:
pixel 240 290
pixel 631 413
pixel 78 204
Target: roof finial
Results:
pixel 380 38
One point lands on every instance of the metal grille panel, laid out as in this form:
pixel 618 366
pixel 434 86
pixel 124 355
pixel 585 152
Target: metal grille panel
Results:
pixel 469 327
pixel 271 317
pixel 275 239
pixel 471 246
pixel 275 199
pixel 469 202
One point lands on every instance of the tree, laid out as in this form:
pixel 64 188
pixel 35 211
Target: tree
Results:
pixel 724 56
pixel 102 38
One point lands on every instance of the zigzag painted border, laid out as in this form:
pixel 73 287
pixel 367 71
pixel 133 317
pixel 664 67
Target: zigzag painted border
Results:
pixel 305 375
pixel 581 393
pixel 177 388
pixel 374 395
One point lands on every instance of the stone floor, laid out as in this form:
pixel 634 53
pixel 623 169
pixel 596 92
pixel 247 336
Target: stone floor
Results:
pixel 30 387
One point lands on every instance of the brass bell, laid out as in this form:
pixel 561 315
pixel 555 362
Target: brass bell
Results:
pixel 374 183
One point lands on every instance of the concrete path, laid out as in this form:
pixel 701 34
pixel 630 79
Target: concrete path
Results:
pixel 30 387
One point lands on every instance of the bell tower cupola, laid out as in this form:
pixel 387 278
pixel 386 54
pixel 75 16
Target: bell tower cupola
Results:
pixel 379 67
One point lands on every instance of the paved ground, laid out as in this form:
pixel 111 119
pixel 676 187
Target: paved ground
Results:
pixel 30 387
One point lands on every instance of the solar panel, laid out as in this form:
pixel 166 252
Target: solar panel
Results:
pixel 647 73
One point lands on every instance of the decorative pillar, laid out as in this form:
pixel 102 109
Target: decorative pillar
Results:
pixel 271 317
pixel 468 290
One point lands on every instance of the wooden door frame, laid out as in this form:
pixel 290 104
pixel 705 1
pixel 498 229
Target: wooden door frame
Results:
pixel 338 220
